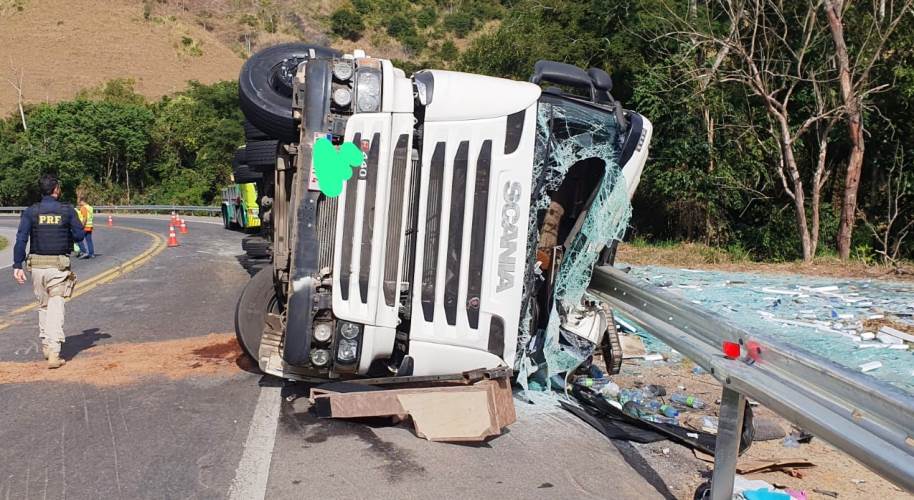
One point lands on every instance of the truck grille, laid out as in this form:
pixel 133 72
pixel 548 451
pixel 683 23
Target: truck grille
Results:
pixel 371 190
pixel 326 231
pixel 394 218
pixel 432 232
pixel 478 233
pixel 348 229
pixel 455 233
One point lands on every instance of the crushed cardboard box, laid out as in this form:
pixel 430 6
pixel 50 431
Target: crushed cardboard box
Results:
pixel 445 412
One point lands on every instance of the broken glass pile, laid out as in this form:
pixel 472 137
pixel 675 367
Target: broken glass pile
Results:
pixel 567 135
pixel 838 319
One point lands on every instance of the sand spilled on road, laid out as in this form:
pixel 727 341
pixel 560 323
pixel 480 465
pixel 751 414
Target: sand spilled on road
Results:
pixel 213 355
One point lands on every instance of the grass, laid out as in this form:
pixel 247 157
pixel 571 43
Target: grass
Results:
pixel 640 252
pixel 3 243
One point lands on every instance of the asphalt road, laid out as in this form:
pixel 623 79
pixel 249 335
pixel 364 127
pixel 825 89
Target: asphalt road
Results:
pixel 148 407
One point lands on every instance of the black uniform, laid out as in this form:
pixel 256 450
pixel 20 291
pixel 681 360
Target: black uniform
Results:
pixel 50 227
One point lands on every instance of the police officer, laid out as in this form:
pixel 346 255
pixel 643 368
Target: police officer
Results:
pixel 51 228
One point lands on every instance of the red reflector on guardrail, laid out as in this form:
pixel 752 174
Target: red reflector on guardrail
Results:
pixel 731 350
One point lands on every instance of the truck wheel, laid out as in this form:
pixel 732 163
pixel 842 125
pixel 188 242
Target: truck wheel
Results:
pixel 261 155
pixel 257 247
pixel 252 133
pixel 238 158
pixel 244 174
pixel 265 84
pixel 257 299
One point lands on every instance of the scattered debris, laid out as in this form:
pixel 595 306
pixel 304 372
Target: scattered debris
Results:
pixel 758 466
pixel 850 321
pixel 833 494
pixel 886 330
pixel 872 365
pixel 442 412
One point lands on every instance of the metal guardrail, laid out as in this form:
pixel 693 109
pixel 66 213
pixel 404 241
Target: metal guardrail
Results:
pixel 211 210
pixel 869 420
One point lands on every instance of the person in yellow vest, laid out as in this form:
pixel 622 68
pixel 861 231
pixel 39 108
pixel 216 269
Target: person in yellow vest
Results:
pixel 86 216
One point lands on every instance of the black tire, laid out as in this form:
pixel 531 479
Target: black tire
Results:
pixel 252 133
pixel 226 223
pixel 610 346
pixel 244 174
pixel 261 155
pixel 238 158
pixel 257 247
pixel 256 300
pixel 264 87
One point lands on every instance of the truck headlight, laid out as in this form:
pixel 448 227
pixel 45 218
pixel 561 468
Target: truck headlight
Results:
pixel 342 70
pixel 323 331
pixel 368 91
pixel 320 357
pixel 342 97
pixel 347 350
pixel 349 331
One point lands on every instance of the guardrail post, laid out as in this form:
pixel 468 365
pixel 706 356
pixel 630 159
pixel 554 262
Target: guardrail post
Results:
pixel 726 451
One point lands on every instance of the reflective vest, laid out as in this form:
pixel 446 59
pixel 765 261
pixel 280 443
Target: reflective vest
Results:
pixel 86 216
pixel 51 229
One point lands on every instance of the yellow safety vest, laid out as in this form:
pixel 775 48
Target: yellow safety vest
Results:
pixel 86 215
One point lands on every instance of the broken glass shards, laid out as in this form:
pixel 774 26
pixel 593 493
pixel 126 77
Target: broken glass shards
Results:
pixel 568 134
pixel 848 321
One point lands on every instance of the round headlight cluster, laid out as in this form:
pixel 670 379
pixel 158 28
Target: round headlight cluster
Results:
pixel 323 331
pixel 349 331
pixel 342 70
pixel 347 350
pixel 342 96
pixel 368 91
pixel 320 357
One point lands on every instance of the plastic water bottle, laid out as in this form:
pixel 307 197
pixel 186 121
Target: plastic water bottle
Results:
pixel 686 400
pixel 709 424
pixel 610 390
pixel 662 409
pixel 593 383
pixel 633 395
pixel 660 419
pixel 652 391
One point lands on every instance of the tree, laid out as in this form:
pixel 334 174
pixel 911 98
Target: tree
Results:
pixel 854 68
pixel 773 51
pixel 17 86
pixel 891 228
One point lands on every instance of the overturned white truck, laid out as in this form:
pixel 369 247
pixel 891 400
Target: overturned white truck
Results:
pixel 428 224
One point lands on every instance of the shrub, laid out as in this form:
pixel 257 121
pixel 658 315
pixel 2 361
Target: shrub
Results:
pixel 426 17
pixel 460 23
pixel 400 27
pixel 347 23
pixel 448 52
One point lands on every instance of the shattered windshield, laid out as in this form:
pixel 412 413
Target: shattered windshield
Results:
pixel 570 133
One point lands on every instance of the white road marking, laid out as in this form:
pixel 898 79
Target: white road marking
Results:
pixel 254 467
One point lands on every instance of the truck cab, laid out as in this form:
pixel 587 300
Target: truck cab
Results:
pixel 434 223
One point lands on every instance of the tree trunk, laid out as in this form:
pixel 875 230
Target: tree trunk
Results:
pixel 854 113
pixel 798 193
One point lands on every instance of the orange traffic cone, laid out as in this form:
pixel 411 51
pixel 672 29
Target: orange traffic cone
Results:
pixel 110 221
pixel 172 238
pixel 174 219
pixel 183 227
